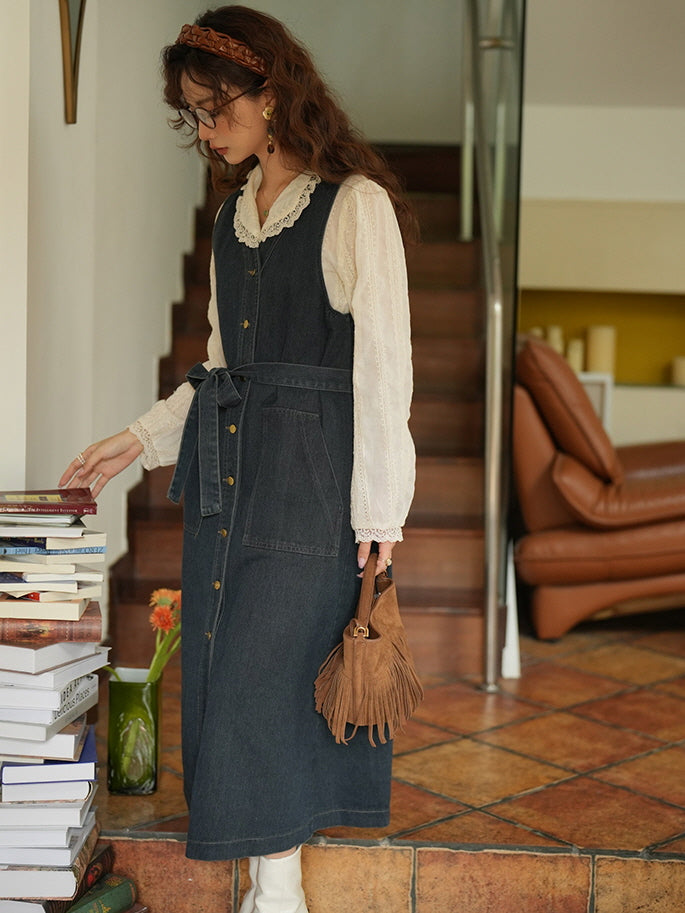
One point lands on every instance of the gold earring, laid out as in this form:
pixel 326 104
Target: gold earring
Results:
pixel 270 148
pixel 267 113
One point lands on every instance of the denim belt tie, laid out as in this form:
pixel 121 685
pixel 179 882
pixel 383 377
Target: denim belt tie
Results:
pixel 215 389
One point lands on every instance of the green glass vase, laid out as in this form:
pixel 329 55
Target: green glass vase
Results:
pixel 133 733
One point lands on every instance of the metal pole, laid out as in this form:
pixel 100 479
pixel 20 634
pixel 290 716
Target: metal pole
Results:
pixel 493 382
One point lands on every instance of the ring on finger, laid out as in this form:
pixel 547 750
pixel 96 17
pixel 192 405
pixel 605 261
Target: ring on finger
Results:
pixel 82 460
pixel 388 562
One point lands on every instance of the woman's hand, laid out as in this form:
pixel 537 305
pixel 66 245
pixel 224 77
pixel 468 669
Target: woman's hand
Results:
pixel 102 461
pixel 384 559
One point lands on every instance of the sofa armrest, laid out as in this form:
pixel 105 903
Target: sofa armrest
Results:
pixel 606 505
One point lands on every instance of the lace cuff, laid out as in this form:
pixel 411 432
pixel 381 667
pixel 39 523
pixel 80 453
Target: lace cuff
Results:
pixel 379 535
pixel 149 457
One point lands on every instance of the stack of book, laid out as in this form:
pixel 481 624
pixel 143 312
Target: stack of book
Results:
pixel 100 891
pixel 51 572
pixel 50 561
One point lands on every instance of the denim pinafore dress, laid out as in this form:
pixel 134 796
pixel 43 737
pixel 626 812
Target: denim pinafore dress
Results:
pixel 269 557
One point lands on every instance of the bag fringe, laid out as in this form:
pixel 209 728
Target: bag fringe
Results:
pixel 387 701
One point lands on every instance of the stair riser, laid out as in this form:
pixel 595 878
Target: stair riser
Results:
pixel 444 645
pixel 438 214
pixel 447 428
pixel 157 550
pixel 450 366
pixel 197 296
pixel 190 320
pixel 197 263
pixel 452 487
pixel 412 878
pixel 444 313
pixel 442 559
pixel 442 176
pixel 444 262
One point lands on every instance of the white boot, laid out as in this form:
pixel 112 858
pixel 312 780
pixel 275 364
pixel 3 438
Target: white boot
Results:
pixel 247 906
pixel 279 885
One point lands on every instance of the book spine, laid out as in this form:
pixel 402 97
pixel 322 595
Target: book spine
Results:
pixel 100 865
pixel 88 629
pixel 77 693
pixel 7 507
pixel 114 894
pixel 72 708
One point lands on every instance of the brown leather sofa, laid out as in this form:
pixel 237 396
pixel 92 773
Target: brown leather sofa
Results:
pixel 604 526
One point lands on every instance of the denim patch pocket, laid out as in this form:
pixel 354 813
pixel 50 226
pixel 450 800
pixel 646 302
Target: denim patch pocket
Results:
pixel 295 504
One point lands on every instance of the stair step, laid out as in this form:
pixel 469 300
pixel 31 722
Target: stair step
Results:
pixel 197 296
pixel 418 873
pixel 158 484
pixel 440 312
pixel 447 485
pixel 438 214
pixel 187 318
pixel 205 215
pixel 197 263
pixel 444 558
pixel 444 629
pixel 451 366
pixel 439 263
pixel 156 546
pixel 425 170
pixel 152 488
pixel 443 426
pixel 445 600
pixel 188 349
pixel 131 590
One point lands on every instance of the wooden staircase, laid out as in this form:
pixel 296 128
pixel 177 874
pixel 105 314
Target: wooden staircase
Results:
pixel 439 566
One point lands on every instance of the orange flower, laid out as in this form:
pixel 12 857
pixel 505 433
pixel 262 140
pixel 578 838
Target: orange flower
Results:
pixel 166 623
pixel 163 618
pixel 165 597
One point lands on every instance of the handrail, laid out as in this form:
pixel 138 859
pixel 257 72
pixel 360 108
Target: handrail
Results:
pixel 494 352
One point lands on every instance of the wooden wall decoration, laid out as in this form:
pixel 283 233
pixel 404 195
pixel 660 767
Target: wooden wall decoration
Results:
pixel 71 25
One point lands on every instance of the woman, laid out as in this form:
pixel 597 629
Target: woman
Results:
pixel 291 446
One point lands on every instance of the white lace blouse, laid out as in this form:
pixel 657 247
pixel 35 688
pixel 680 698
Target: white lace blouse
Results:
pixel 365 275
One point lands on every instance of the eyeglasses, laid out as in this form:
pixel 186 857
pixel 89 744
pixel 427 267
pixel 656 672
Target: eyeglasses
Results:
pixel 196 116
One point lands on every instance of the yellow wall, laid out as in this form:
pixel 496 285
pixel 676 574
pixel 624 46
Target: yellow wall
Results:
pixel 650 328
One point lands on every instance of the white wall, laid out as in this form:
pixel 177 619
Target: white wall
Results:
pixel 14 140
pixel 603 133
pixel 110 216
pixel 396 64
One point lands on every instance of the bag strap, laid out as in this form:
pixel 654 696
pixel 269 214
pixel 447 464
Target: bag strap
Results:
pixel 367 597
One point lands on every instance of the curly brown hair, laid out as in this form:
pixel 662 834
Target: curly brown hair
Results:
pixel 312 130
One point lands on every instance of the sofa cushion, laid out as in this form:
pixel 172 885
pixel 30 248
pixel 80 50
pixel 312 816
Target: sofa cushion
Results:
pixel 566 408
pixel 577 554
pixel 607 505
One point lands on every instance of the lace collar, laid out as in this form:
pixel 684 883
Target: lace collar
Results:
pixel 286 210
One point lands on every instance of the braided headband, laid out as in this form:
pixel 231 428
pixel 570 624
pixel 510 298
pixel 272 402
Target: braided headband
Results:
pixel 206 39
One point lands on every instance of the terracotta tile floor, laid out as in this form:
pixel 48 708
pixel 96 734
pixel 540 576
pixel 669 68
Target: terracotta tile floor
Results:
pixel 585 752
